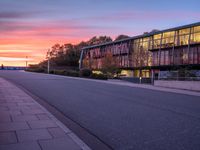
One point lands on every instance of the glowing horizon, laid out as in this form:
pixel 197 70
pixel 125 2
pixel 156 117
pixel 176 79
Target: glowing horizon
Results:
pixel 41 24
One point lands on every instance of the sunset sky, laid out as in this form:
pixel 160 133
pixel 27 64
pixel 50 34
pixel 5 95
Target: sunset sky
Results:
pixel 30 27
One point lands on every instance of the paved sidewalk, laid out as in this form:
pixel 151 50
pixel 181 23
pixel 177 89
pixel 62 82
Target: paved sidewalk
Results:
pixel 26 125
pixel 151 87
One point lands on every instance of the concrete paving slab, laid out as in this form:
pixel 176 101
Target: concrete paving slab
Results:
pixel 42 124
pixel 24 122
pixel 7 138
pixel 43 116
pixel 22 118
pixel 33 135
pixel 13 126
pixel 21 146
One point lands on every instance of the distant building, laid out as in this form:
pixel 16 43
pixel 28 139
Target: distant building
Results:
pixel 156 51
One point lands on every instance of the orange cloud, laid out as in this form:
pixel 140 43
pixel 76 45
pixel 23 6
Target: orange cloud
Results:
pixel 19 39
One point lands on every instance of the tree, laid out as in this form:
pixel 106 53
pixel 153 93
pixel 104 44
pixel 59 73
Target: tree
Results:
pixel 69 54
pixel 2 66
pixel 140 58
pixel 110 65
pixel 121 37
pixel 99 40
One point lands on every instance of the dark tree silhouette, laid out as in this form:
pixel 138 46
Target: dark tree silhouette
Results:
pixel 121 37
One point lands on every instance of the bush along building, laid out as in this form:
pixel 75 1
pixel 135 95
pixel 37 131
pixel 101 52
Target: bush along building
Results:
pixel 168 53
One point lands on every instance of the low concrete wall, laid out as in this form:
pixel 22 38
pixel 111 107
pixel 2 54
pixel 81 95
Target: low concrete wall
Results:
pixel 186 85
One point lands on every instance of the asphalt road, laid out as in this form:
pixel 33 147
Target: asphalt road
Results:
pixel 125 118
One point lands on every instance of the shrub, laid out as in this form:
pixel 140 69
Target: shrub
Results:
pixel 35 69
pixel 98 76
pixel 51 72
pixel 72 73
pixel 59 72
pixel 85 72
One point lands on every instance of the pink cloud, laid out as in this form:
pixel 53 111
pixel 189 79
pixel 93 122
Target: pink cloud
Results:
pixel 145 15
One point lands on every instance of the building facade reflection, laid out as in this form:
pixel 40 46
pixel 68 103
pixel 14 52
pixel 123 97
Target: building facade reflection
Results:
pixel 159 50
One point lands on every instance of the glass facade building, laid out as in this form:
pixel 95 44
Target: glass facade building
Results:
pixel 154 51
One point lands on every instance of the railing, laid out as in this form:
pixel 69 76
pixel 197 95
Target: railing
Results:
pixel 137 80
pixel 180 78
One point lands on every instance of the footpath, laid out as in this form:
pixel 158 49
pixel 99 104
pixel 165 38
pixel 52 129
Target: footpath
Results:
pixel 152 87
pixel 26 125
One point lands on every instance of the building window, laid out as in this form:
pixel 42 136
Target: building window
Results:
pixel 168 39
pixel 162 58
pixel 195 36
pixel 166 57
pixel 183 38
pixel 157 40
pixel 155 58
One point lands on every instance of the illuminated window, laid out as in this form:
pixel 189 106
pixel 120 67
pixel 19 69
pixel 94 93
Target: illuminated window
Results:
pixel 195 36
pixel 197 29
pixel 150 42
pixel 146 39
pixel 183 36
pixel 157 36
pixel 183 40
pixel 184 31
pixel 168 39
pixel 157 40
pixel 145 44
pixel 168 34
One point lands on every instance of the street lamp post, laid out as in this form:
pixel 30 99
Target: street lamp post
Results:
pixel 26 62
pixel 48 61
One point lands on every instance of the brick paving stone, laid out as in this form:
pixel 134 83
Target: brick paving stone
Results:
pixel 57 132
pixel 10 112
pixel 25 125
pixel 43 116
pixel 19 118
pixel 2 100
pixel 34 107
pixel 42 124
pixel 65 143
pixel 5 118
pixel 3 108
pixel 12 108
pixel 32 111
pixel 21 146
pixel 8 104
pixel 14 101
pixel 33 135
pixel 7 138
pixel 27 104
pixel 13 126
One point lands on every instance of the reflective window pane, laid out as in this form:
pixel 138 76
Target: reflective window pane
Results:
pixel 183 39
pixel 195 38
pixel 197 29
pixel 157 36
pixel 184 31
pixel 168 34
